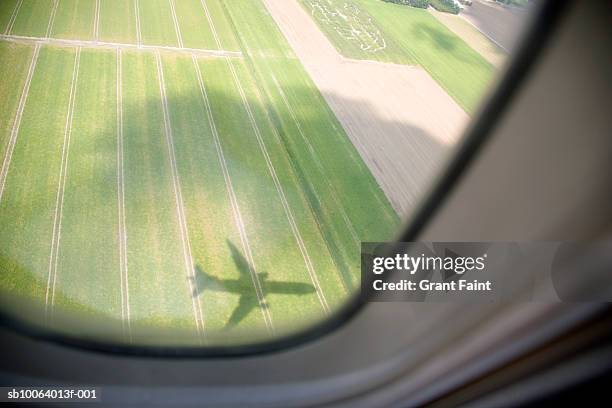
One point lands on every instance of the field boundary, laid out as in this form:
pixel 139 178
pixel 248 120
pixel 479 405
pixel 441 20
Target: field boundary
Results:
pixel 187 253
pixel 123 261
pixel 17 122
pixel 11 22
pixel 61 186
pixel 114 45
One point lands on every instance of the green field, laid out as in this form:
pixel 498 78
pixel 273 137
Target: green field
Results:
pixel 74 19
pixel 214 198
pixel 33 18
pixel 399 34
pixel 119 17
pixel 7 7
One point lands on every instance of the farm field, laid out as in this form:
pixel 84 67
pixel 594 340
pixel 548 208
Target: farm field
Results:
pixel 474 38
pixel 170 168
pixel 405 35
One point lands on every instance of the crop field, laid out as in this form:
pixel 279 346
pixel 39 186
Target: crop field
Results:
pixel 169 165
pixel 410 36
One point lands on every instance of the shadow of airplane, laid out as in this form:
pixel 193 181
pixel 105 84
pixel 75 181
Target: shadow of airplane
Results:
pixel 243 286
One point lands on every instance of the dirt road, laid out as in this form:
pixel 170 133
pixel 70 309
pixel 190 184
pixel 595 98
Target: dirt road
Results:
pixel 400 120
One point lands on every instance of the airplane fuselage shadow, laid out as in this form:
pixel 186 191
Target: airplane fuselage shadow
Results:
pixel 243 286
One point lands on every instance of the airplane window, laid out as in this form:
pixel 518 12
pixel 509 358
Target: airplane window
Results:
pixel 203 172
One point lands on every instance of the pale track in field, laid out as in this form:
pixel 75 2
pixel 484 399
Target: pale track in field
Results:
pixel 123 261
pixel 11 23
pixel 180 209
pixel 177 28
pixel 97 22
pixel 114 45
pixel 61 187
pixel 17 122
pixel 52 19
pixel 138 32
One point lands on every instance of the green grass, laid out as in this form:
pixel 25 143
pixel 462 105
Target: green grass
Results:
pixel 33 18
pixel 336 18
pixel 156 24
pixel 194 25
pixel 414 36
pixel 226 32
pixel 28 204
pixel 298 182
pixel 208 211
pixel 25 306
pixel 6 10
pixel 158 286
pixel 16 58
pixel 444 6
pixel 74 19
pixel 88 262
pixel 118 21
